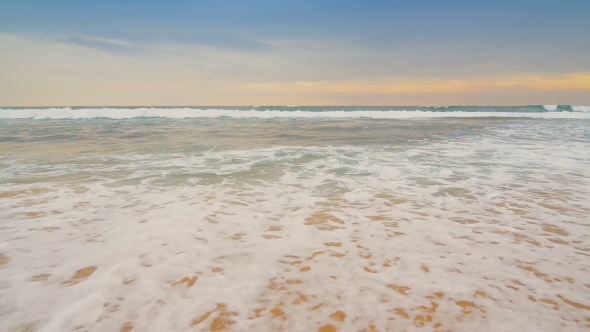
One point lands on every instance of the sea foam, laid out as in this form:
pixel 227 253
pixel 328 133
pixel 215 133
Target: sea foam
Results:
pixel 472 230
pixel 483 226
pixel 581 108
pixel 550 107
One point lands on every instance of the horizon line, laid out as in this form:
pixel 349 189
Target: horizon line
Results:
pixel 262 105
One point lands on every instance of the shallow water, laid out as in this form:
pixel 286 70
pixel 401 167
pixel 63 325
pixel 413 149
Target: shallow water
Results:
pixel 267 224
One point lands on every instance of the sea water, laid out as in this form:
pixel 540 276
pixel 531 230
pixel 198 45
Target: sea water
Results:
pixel 295 219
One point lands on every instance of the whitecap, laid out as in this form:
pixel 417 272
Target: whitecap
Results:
pixel 184 113
pixel 550 108
pixel 584 109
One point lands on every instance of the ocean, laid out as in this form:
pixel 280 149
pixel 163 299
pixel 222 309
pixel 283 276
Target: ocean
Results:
pixel 295 219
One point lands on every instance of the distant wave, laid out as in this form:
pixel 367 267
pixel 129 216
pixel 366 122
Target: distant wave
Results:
pixel 546 111
pixel 585 109
pixel 551 107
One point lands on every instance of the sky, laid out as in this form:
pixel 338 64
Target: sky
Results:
pixel 294 52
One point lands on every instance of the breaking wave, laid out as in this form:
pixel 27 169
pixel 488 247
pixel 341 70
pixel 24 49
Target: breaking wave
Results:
pixel 535 111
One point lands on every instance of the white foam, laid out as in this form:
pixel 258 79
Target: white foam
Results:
pixel 550 108
pixel 183 113
pixel 459 233
pixel 584 109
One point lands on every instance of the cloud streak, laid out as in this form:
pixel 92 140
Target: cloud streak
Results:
pixel 100 44
pixel 577 82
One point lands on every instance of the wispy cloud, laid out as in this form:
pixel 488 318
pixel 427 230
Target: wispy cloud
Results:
pixel 408 85
pixel 101 44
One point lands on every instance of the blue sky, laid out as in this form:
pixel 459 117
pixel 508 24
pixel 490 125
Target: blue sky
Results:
pixel 301 52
